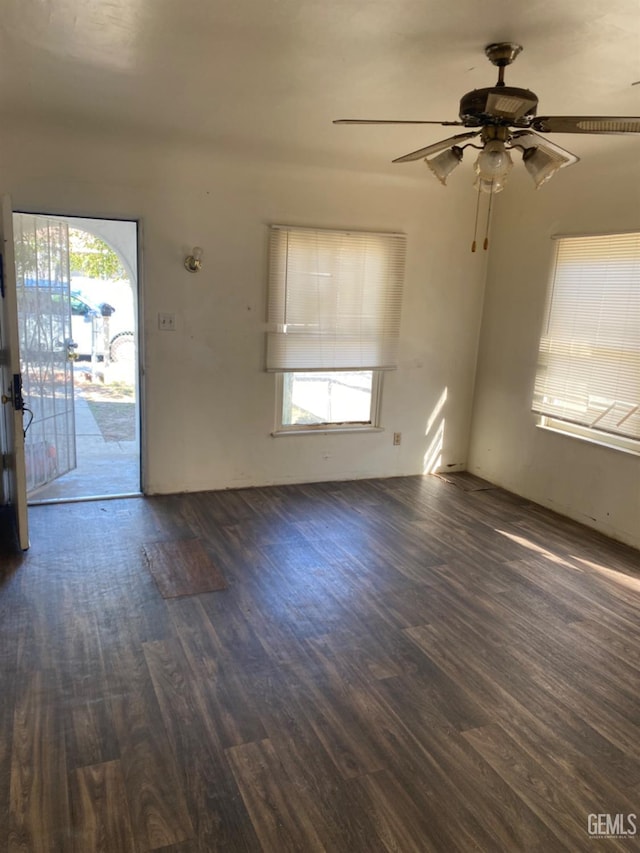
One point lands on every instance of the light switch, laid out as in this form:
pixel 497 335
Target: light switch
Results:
pixel 167 322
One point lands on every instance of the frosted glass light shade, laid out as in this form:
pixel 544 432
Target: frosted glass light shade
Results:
pixel 489 186
pixel 494 161
pixel 540 165
pixel 444 163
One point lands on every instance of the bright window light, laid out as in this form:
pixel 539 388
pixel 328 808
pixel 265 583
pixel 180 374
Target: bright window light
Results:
pixel 328 399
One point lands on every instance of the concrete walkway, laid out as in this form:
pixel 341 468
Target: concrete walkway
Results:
pixel 104 468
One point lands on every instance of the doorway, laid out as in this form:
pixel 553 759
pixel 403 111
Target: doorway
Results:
pixel 77 299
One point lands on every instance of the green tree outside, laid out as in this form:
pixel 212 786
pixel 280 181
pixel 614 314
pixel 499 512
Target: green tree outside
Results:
pixel 91 257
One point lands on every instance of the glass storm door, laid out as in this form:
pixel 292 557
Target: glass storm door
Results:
pixel 13 489
pixel 46 346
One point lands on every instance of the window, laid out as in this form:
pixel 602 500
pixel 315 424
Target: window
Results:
pixel 588 375
pixel 342 398
pixel 334 320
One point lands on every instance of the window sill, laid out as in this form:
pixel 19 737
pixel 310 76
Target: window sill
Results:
pixel 589 438
pixel 325 430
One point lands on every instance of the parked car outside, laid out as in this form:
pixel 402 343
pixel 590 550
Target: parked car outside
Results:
pixel 90 318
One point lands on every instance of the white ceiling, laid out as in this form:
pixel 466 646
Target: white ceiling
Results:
pixel 266 77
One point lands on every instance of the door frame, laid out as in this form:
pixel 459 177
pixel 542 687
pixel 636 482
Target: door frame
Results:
pixel 141 349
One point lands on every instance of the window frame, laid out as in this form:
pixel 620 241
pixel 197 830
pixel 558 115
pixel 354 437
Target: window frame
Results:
pixel 373 425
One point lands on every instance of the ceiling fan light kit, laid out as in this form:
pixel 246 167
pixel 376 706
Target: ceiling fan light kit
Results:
pixel 506 119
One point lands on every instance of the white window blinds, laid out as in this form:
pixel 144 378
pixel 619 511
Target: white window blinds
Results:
pixel 334 299
pixel 589 365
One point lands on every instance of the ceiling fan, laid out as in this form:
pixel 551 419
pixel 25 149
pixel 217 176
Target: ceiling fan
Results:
pixel 504 118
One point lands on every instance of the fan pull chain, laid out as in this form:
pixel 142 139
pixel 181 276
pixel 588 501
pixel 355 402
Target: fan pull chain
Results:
pixel 486 235
pixel 475 227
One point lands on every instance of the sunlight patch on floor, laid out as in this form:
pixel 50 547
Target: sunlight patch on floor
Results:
pixel 543 552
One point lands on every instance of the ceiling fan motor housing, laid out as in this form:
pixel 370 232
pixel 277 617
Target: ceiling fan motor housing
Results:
pixel 507 105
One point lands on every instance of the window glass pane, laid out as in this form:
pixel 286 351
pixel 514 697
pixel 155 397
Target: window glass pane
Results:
pixel 327 398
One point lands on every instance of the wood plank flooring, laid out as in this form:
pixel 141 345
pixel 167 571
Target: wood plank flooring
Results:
pixel 412 664
pixel 182 567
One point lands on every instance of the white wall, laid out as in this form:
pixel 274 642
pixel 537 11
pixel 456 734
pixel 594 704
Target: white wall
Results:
pixel 595 485
pixel 209 405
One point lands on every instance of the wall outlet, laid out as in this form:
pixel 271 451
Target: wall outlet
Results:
pixel 397 438
pixel 167 322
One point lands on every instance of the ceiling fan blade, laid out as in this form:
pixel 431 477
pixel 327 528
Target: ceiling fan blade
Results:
pixel 437 146
pixel 390 121
pixel 586 124
pixel 527 139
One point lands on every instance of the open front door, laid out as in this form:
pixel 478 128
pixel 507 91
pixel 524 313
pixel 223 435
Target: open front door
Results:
pixel 46 346
pixel 14 484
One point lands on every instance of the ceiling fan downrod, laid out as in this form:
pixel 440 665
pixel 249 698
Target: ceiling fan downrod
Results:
pixel 502 54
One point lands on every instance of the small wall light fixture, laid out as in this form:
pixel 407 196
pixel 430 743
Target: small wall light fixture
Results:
pixel 193 262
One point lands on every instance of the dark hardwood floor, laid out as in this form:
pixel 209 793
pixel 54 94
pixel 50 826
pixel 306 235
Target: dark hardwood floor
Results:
pixel 396 665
